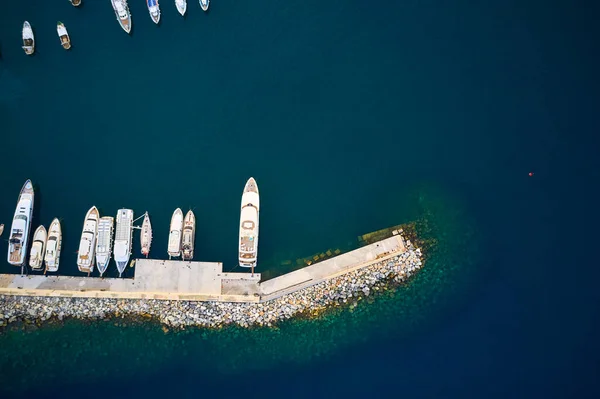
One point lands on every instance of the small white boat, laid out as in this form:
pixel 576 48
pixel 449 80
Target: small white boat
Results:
pixel 146 235
pixel 104 243
pixel 123 239
pixel 154 10
pixel 21 226
pixel 204 4
pixel 38 248
pixel 52 256
pixel 65 40
pixel 174 247
pixel 189 231
pixel 250 208
pixel 181 6
pixel 123 15
pixel 76 3
pixel 1 229
pixel 87 243
pixel 28 39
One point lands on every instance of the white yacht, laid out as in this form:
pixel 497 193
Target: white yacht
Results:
pixel 181 6
pixel 248 249
pixel 154 10
pixel 123 238
pixel 104 243
pixel 19 231
pixel 174 247
pixel 189 231
pixel 146 235
pixel 38 248
pixel 52 256
pixel 204 4
pixel 28 38
pixel 123 15
pixel 87 243
pixel 63 35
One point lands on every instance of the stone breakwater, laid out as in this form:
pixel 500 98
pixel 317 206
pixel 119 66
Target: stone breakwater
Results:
pixel 180 314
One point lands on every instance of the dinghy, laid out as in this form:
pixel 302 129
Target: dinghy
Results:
pixel 181 6
pixel 28 39
pixel 65 40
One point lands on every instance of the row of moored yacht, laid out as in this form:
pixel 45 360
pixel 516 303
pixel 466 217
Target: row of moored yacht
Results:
pixel 100 239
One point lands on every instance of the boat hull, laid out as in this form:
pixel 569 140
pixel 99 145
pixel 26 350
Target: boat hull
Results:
pixel 18 240
pixel 53 246
pixel 174 246
pixel 87 243
pixel 123 14
pixel 28 39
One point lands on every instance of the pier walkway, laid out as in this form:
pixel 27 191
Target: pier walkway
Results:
pixel 198 281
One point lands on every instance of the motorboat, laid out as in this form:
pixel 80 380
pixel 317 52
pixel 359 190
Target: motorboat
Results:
pixel 189 231
pixel 53 245
pixel 248 238
pixel 104 243
pixel 154 10
pixel 65 40
pixel 181 6
pixel 18 239
pixel 38 248
pixel 123 15
pixel 174 247
pixel 28 39
pixel 123 239
pixel 87 243
pixel 146 235
pixel 204 4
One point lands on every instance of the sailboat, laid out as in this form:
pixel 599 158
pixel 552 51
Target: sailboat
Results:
pixel 38 248
pixel 123 239
pixel 19 231
pixel 146 235
pixel 53 245
pixel 87 243
pixel 104 243
pixel 174 247
pixel 248 244
pixel 189 231
pixel 181 6
pixel 28 38
pixel 154 10
pixel 65 40
pixel 204 4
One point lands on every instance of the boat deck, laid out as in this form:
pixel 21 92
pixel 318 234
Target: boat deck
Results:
pixel 199 281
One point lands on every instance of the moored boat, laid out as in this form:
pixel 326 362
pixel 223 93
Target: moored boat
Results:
pixel 65 40
pixel 146 235
pixel 123 239
pixel 38 248
pixel 1 229
pixel 174 247
pixel 76 3
pixel 189 231
pixel 123 15
pixel 181 6
pixel 204 4
pixel 104 243
pixel 19 230
pixel 248 244
pixel 53 245
pixel 154 10
pixel 28 38
pixel 87 243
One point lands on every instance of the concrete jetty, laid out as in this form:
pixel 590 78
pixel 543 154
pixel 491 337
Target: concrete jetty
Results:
pixel 199 281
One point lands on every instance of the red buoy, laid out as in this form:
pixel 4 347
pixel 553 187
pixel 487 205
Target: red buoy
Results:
pixel 530 174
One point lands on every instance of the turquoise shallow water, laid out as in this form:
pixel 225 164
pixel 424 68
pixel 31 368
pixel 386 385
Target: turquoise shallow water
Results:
pixel 352 116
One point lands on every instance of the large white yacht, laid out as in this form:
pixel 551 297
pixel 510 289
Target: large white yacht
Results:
pixel 123 15
pixel 248 245
pixel 123 238
pixel 174 248
pixel 38 248
pixel 189 231
pixel 87 243
pixel 104 243
pixel 53 245
pixel 19 231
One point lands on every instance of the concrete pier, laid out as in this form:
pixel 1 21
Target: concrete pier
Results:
pixel 198 281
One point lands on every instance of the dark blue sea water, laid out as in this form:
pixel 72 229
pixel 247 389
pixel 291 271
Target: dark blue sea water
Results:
pixel 352 116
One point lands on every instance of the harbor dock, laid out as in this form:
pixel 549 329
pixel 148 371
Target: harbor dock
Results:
pixel 198 281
